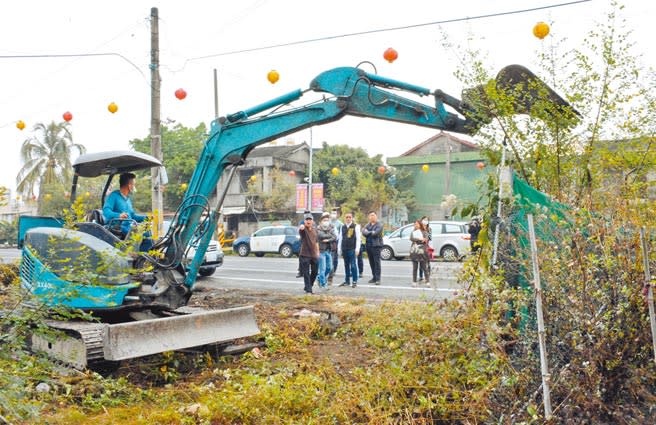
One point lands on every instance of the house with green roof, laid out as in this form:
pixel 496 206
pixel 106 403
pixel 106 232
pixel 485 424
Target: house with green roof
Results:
pixel 446 171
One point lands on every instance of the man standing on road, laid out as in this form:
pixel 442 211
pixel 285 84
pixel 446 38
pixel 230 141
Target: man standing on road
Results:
pixel 309 254
pixel 326 238
pixel 373 233
pixel 337 225
pixel 348 244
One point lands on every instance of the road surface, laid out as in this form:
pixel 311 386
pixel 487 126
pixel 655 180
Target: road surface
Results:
pixel 277 274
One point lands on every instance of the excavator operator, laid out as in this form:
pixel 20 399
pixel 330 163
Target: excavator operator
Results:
pixel 119 213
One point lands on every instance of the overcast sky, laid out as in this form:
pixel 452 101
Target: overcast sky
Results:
pixel 195 34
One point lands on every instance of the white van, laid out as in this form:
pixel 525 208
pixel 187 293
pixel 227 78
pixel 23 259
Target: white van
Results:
pixel 450 241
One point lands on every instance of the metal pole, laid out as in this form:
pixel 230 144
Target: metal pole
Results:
pixel 495 245
pixel 216 95
pixel 309 197
pixel 650 289
pixel 546 377
pixel 155 122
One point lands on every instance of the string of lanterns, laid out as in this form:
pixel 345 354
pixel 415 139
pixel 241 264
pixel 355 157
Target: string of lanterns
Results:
pixel 540 30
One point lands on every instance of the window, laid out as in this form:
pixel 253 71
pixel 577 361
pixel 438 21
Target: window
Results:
pixel 405 232
pixel 453 228
pixel 277 231
pixel 291 231
pixel 263 232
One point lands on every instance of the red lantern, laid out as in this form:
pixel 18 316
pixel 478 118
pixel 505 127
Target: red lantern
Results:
pixel 480 165
pixel 390 55
pixel 292 173
pixel 67 116
pixel 180 94
pixel 381 169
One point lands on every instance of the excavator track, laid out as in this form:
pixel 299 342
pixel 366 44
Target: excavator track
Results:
pixel 78 344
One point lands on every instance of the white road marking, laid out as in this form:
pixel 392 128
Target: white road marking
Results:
pixel 300 284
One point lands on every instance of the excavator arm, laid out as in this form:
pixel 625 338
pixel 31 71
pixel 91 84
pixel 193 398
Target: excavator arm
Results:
pixel 352 92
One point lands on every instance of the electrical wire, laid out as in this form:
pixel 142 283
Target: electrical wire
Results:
pixel 380 30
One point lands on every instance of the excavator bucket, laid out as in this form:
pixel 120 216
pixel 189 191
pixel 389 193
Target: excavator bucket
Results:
pixel 518 91
pixel 94 345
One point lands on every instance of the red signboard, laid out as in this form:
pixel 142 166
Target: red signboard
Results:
pixel 302 197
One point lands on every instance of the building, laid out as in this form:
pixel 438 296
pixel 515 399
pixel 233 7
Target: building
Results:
pixel 445 171
pixel 243 208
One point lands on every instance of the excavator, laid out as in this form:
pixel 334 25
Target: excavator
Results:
pixel 142 299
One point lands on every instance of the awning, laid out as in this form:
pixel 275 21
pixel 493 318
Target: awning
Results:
pixel 233 210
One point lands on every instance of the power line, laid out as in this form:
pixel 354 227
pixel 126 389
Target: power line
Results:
pixel 75 55
pixel 375 31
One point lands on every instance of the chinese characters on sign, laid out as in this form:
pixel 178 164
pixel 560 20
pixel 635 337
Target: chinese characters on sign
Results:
pixel 302 197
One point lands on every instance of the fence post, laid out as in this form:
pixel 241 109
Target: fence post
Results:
pixel 650 289
pixel 538 305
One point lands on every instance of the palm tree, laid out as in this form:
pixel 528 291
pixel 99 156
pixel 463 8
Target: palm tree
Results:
pixel 46 157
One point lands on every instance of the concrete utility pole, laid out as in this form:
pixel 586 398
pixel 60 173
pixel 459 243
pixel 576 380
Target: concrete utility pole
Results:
pixel 155 122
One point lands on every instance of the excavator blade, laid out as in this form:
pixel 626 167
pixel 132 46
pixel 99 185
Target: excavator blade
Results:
pixel 141 338
pixel 100 346
pixel 527 93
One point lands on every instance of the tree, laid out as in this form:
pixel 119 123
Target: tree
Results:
pixel 181 148
pixel 357 185
pixel 278 198
pixel 46 157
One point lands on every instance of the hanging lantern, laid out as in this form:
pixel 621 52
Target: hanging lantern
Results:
pixel 480 165
pixel 67 116
pixel 273 76
pixel 34 197
pixel 335 171
pixel 20 124
pixel 253 178
pixel 381 169
pixel 180 94
pixel 47 196
pixel 112 107
pixel 183 186
pixel 292 173
pixel 425 168
pixel 390 55
pixel 541 30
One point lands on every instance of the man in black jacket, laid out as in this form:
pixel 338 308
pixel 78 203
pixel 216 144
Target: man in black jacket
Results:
pixel 373 233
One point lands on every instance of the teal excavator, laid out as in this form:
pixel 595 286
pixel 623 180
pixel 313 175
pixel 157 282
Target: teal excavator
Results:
pixel 142 300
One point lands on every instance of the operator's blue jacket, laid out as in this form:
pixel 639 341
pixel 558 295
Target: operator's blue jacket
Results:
pixel 115 204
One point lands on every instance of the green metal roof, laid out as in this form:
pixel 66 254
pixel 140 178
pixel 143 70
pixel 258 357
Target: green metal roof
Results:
pixel 435 159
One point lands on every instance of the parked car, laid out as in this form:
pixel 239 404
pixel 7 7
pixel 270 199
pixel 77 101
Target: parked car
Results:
pixel 450 241
pixel 213 255
pixel 283 240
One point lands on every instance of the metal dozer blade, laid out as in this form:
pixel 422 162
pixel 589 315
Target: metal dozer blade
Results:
pixel 100 346
pixel 526 93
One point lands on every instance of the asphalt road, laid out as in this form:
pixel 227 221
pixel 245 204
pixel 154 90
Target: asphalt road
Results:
pixel 274 273
pixel 279 274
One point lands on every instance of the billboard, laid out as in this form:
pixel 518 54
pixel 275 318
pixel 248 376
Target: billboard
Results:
pixel 302 197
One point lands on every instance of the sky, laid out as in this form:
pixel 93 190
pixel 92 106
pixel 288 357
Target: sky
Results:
pixel 195 37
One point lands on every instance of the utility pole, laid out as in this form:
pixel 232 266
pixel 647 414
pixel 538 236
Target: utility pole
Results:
pixel 155 122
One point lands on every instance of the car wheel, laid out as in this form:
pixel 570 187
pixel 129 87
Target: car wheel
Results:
pixel 207 271
pixel 286 250
pixel 243 250
pixel 386 253
pixel 259 254
pixel 449 253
